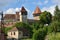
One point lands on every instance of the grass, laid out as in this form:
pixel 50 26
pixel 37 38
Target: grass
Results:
pixel 53 36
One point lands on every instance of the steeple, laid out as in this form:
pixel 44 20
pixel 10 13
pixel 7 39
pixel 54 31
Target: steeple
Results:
pixel 23 15
pixel 37 11
pixel 23 11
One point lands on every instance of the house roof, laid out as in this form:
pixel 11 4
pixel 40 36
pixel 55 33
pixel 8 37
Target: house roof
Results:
pixel 37 10
pixel 13 29
pixel 18 29
pixel 9 16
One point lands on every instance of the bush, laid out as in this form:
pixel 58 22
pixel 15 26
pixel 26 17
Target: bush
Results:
pixel 54 27
pixel 7 29
pixel 40 34
pixel 53 36
pixel 26 26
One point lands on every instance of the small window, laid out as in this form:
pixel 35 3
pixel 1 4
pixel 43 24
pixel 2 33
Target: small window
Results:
pixel 14 33
pixel 11 33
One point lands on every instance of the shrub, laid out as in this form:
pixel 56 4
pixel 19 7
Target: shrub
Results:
pixel 40 34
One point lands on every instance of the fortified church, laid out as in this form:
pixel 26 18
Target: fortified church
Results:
pixel 22 16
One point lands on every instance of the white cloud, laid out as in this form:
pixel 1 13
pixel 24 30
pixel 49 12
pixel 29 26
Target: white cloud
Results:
pixel 38 3
pixel 17 9
pixel 10 11
pixel 50 9
pixel 46 1
pixel 56 1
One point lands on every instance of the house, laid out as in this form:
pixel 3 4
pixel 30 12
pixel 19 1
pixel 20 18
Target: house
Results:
pixel 17 33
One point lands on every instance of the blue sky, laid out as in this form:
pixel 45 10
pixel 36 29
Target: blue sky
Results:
pixel 12 5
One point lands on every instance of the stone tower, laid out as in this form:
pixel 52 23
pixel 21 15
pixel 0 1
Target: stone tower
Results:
pixel 23 15
pixel 37 13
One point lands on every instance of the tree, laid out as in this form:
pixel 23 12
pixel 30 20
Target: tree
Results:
pixel 54 27
pixel 46 17
pixel 24 25
pixel 35 25
pixel 56 14
pixel 40 34
pixel 7 29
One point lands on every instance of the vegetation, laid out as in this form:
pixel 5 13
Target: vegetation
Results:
pixel 52 36
pixel 39 30
pixel 24 25
pixel 53 27
pixel 56 14
pixel 46 17
pixel 40 34
pixel 7 29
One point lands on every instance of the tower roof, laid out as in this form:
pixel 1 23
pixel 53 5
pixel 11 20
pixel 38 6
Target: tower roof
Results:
pixel 23 9
pixel 37 10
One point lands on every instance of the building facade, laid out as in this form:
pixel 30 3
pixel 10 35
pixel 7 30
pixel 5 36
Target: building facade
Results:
pixel 17 33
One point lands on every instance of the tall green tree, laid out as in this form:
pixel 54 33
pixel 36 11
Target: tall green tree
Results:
pixel 55 25
pixel 57 14
pixel 45 17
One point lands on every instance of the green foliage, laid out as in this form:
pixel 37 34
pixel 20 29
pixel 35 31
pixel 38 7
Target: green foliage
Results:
pixel 35 25
pixel 24 25
pixel 56 14
pixel 55 26
pixel 53 36
pixel 7 29
pixel 45 17
pixel 40 34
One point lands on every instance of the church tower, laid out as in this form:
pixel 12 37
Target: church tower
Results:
pixel 23 15
pixel 37 13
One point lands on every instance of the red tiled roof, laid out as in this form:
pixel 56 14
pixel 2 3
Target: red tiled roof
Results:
pixel 9 16
pixel 13 29
pixel 37 10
